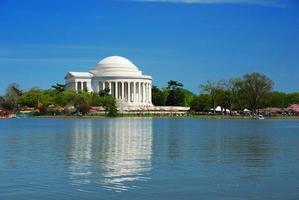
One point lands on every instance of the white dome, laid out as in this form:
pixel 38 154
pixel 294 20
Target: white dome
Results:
pixel 115 66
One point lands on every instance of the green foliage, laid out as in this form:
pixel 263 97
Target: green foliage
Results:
pixel 58 87
pixel 172 85
pixel 110 106
pixel 200 103
pixel 254 89
pixel 292 98
pixel 188 97
pixel 35 96
pixel 66 97
pixel 158 96
pixel 212 89
pixel 175 97
pixel 104 92
pixel 52 101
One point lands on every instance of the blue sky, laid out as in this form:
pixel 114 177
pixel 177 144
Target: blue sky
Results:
pixel 187 40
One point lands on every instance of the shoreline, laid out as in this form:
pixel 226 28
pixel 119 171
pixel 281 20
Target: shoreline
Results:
pixel 161 116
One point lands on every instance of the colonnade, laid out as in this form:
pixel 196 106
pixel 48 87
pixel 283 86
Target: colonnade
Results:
pixel 129 91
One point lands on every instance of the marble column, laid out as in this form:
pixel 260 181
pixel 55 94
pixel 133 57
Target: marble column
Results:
pixel 129 91
pixel 144 92
pixel 122 90
pixel 134 92
pixel 150 93
pixel 137 91
pixel 116 89
pixel 110 89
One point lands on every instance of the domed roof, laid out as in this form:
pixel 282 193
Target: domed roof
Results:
pixel 115 66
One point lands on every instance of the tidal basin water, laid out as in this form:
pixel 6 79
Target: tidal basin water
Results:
pixel 149 158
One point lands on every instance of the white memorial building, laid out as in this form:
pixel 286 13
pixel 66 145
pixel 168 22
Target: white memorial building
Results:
pixel 126 82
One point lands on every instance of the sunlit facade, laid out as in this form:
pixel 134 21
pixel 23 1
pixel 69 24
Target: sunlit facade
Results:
pixel 124 80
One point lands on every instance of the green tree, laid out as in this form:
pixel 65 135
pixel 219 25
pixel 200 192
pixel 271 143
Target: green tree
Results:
pixel 229 92
pixel 34 97
pixel 59 87
pixel 200 103
pixel 292 98
pixel 105 92
pixel 176 95
pixel 172 85
pixel 255 87
pixel 276 99
pixel 188 97
pixel 109 104
pixel 67 97
pixel 159 97
pixel 175 98
pixel 212 89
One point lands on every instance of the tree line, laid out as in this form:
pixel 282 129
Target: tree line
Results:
pixel 74 102
pixel 252 91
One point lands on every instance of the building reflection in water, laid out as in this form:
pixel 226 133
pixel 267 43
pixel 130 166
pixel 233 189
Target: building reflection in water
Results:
pixel 111 152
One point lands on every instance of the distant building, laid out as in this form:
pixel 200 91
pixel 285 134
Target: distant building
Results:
pixel 126 82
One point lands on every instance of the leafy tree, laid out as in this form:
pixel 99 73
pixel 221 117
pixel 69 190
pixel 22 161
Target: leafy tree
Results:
pixel 188 97
pixel 292 98
pixel 59 87
pixel 200 103
pixel 229 92
pixel 34 97
pixel 110 106
pixel 176 95
pixel 158 96
pixel 173 85
pixel 67 97
pixel 275 99
pixel 105 92
pixel 175 98
pixel 255 87
pixel 212 89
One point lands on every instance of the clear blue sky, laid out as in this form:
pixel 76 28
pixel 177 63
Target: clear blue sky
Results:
pixel 187 40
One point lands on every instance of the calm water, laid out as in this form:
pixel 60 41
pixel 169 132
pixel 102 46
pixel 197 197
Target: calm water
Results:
pixel 149 159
